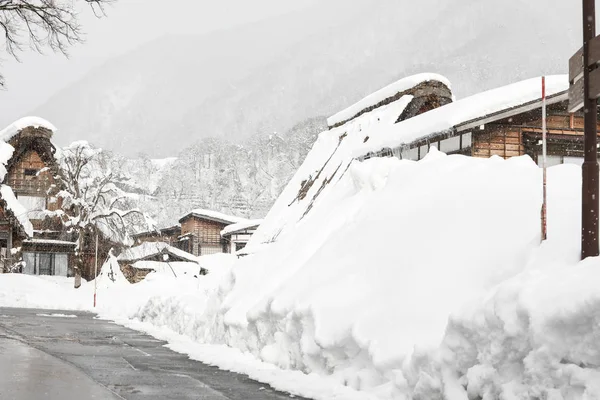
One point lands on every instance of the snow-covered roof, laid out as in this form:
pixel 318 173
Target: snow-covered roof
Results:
pixel 16 208
pixel 11 130
pixel 241 226
pixel 149 249
pixel 461 112
pixel 383 94
pixel 51 241
pixel 213 216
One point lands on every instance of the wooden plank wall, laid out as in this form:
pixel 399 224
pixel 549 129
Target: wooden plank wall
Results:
pixel 504 142
pixel 206 234
pixel 30 185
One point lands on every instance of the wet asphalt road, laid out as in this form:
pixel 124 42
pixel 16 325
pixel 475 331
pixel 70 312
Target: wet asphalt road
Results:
pixel 52 358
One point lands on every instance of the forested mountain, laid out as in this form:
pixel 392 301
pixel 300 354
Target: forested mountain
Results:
pixel 226 103
pixel 243 179
pixel 268 76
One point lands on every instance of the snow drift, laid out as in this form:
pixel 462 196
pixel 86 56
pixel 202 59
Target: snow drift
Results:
pixel 419 280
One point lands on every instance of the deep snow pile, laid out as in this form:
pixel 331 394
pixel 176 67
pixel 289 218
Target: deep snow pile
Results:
pixel 419 280
pixel 117 298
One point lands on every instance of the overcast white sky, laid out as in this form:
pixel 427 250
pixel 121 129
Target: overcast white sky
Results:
pixel 129 24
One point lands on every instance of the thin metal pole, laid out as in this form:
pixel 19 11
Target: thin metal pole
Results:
pixel 96 271
pixel 590 189
pixel 544 165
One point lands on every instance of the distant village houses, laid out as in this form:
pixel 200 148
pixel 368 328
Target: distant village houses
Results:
pixel 204 232
pixel 155 256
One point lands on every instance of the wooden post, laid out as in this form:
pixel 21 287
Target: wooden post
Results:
pixel 590 172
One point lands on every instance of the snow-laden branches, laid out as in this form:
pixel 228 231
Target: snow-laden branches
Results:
pixel 91 197
pixel 43 24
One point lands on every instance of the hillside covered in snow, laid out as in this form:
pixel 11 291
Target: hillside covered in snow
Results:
pixel 269 76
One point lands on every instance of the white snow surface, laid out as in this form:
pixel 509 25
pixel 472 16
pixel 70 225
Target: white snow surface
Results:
pixel 240 226
pixel 178 267
pixel 400 283
pixel 17 208
pixel 148 249
pixel 57 315
pixel 446 117
pixel 161 163
pixel 385 93
pixel 11 130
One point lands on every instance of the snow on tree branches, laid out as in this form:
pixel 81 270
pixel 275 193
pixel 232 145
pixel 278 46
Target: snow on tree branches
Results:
pixel 91 197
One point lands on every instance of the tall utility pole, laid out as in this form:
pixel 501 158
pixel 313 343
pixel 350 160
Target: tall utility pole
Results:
pixel 589 212
pixel 544 165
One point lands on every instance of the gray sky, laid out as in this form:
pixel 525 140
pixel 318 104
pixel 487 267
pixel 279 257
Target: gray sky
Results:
pixel 129 24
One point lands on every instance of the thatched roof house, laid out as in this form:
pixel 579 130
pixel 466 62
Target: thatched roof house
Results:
pixel 505 122
pixel 29 188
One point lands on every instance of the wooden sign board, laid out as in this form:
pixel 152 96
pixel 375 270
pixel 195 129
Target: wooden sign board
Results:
pixel 576 96
pixel 594 48
pixel 595 84
pixel 576 66
pixel 576 93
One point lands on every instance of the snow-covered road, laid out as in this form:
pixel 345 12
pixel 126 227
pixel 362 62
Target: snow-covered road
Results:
pixel 27 373
pixel 66 354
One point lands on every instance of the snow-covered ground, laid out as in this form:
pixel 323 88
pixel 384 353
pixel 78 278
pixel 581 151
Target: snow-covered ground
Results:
pixel 406 280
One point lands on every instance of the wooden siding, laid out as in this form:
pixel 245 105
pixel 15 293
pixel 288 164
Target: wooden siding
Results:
pixel 30 185
pixel 206 235
pixel 503 141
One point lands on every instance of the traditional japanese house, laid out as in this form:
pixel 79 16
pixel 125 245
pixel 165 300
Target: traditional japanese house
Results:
pixel 353 132
pixel 238 235
pixel 137 262
pixel 201 232
pixel 504 122
pixel 29 190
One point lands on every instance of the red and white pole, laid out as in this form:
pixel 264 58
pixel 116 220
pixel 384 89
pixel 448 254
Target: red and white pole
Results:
pixel 544 151
pixel 96 272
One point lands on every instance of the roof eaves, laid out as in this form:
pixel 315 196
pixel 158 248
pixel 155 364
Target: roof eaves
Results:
pixel 511 111
pixel 205 217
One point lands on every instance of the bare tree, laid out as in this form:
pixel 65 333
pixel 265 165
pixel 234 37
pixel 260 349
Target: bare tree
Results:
pixel 42 24
pixel 91 200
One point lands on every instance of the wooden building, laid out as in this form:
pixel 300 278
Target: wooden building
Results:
pixel 505 127
pixel 137 262
pixel 201 232
pixel 238 235
pixel 47 249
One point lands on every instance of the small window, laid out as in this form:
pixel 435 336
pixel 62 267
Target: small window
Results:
pixel 31 172
pixel 239 246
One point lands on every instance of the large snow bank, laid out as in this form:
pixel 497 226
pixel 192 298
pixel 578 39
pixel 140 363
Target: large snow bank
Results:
pixel 421 280
pixel 383 94
pixel 169 268
pixel 11 130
